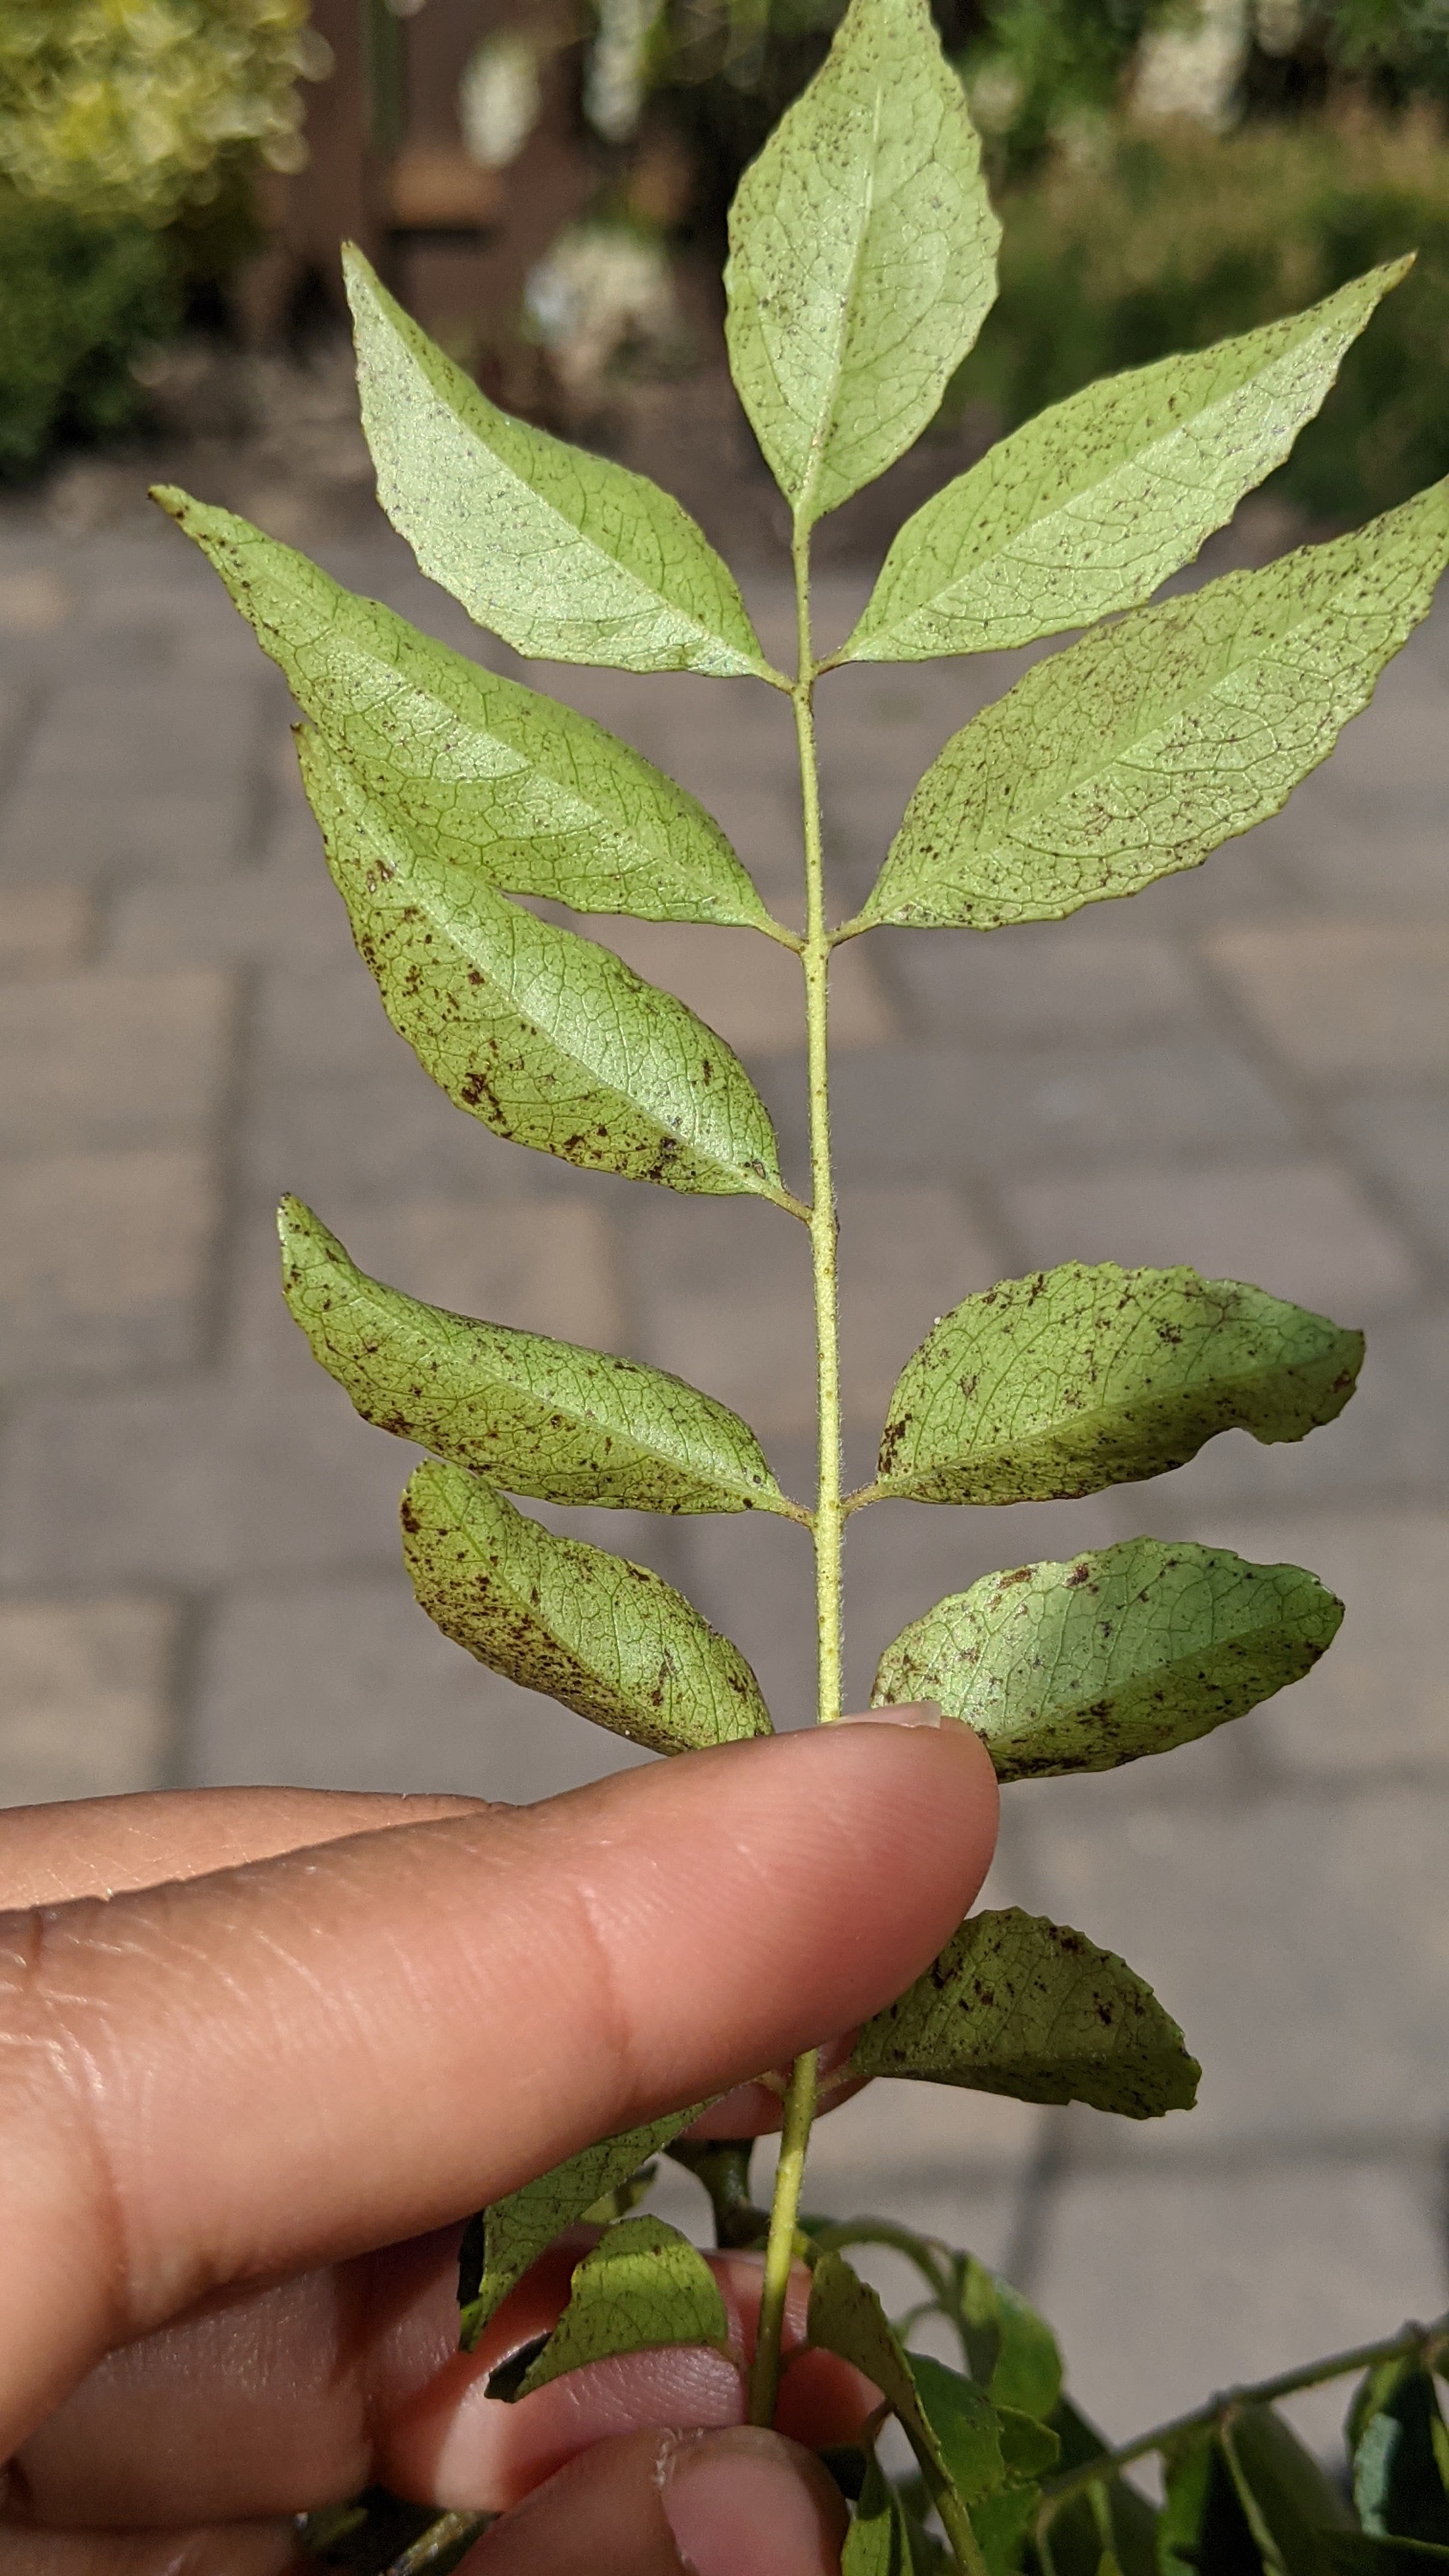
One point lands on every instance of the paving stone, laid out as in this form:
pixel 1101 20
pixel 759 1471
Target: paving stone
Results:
pixel 1070 983
pixel 287 913
pixel 84 1698
pixel 1404 1137
pixel 43 929
pixel 104 1261
pixel 1166 2288
pixel 747 987
pixel 1340 999
pixel 91 1062
pixel 725 1295
pixel 204 1483
pixel 1304 1230
pixel 144 775
pixel 346 1685
pixel 33 602
pixel 940 1112
pixel 1302 1941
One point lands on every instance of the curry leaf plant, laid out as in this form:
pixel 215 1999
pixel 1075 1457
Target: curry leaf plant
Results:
pixel 861 265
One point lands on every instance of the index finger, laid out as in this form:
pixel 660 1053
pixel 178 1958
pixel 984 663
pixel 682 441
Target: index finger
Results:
pixel 278 2066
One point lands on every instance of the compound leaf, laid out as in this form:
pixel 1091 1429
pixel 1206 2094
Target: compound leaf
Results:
pixel 1139 751
pixel 642 2286
pixel 1088 507
pixel 954 2436
pixel 532 796
pixel 607 1638
pixel 507 2238
pixel 1088 1376
pixel 562 553
pixel 1400 2447
pixel 548 1038
pixel 1288 2499
pixel 862 258
pixel 1017 2005
pixel 538 1417
pixel 1082 1666
pixel 879 2539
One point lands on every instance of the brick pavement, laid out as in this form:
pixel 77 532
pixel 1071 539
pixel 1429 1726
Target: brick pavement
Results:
pixel 1245 1068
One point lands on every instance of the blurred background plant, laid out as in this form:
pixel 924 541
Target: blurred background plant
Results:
pixel 546 181
pixel 130 135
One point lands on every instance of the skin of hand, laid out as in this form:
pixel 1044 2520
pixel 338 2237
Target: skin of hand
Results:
pixel 263 2050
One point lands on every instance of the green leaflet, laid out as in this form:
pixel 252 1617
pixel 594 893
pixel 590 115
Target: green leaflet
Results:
pixel 534 797
pixel 507 2238
pixel 1012 2352
pixel 1204 2530
pixel 1288 2499
pixel 1087 508
pixel 539 1417
pixel 607 1638
pixel 1017 2005
pixel 879 2540
pixel 862 259
pixel 1082 1666
pixel 642 2286
pixel 548 1038
pixel 960 2457
pixel 1139 751
pixel 564 554
pixel 1083 1377
pixel 1400 2448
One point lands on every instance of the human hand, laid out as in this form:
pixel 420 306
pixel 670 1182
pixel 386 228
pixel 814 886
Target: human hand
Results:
pixel 253 2037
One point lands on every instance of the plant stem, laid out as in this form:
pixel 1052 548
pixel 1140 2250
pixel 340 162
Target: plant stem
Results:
pixel 1431 2343
pixel 815 958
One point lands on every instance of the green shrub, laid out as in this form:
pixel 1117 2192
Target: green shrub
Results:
pixel 77 303
pixel 1179 238
pixel 139 107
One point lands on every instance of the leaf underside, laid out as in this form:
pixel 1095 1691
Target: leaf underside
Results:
pixel 516 2230
pixel 642 2287
pixel 538 1417
pixel 530 795
pixel 879 2541
pixel 1079 1378
pixel 846 2317
pixel 1032 2009
pixel 862 259
pixel 547 1038
pixel 1116 1654
pixel 1139 751
pixel 562 553
pixel 609 1639
pixel 1084 510
pixel 1400 2447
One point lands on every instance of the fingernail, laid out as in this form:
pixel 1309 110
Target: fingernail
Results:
pixel 905 1712
pixel 737 2506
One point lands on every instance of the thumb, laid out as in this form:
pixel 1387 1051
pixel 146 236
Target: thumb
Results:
pixel 740 2503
